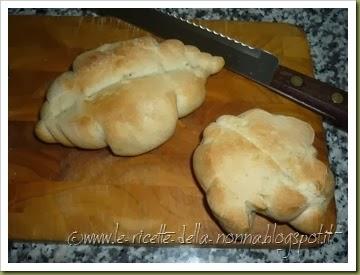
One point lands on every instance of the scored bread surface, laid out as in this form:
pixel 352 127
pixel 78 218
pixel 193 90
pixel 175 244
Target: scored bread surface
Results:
pixel 264 163
pixel 127 95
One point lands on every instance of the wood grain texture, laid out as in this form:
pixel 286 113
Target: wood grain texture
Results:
pixel 54 190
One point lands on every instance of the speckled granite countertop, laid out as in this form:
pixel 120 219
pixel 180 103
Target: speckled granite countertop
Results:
pixel 326 31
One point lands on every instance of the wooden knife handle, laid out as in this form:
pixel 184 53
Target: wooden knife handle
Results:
pixel 320 97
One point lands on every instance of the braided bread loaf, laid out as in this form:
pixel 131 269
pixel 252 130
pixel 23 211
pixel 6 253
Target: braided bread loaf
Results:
pixel 127 95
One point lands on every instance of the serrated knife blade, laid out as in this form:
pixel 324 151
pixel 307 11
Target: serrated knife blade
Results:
pixel 255 64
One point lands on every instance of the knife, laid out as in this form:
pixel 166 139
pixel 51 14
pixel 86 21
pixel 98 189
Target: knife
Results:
pixel 255 64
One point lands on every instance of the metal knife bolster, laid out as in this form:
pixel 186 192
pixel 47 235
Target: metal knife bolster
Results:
pixel 240 58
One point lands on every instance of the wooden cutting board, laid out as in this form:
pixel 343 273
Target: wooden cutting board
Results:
pixel 55 191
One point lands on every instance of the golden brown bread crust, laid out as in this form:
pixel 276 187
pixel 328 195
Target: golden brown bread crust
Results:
pixel 127 95
pixel 259 162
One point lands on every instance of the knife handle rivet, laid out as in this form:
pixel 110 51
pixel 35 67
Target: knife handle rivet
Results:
pixel 337 97
pixel 296 81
